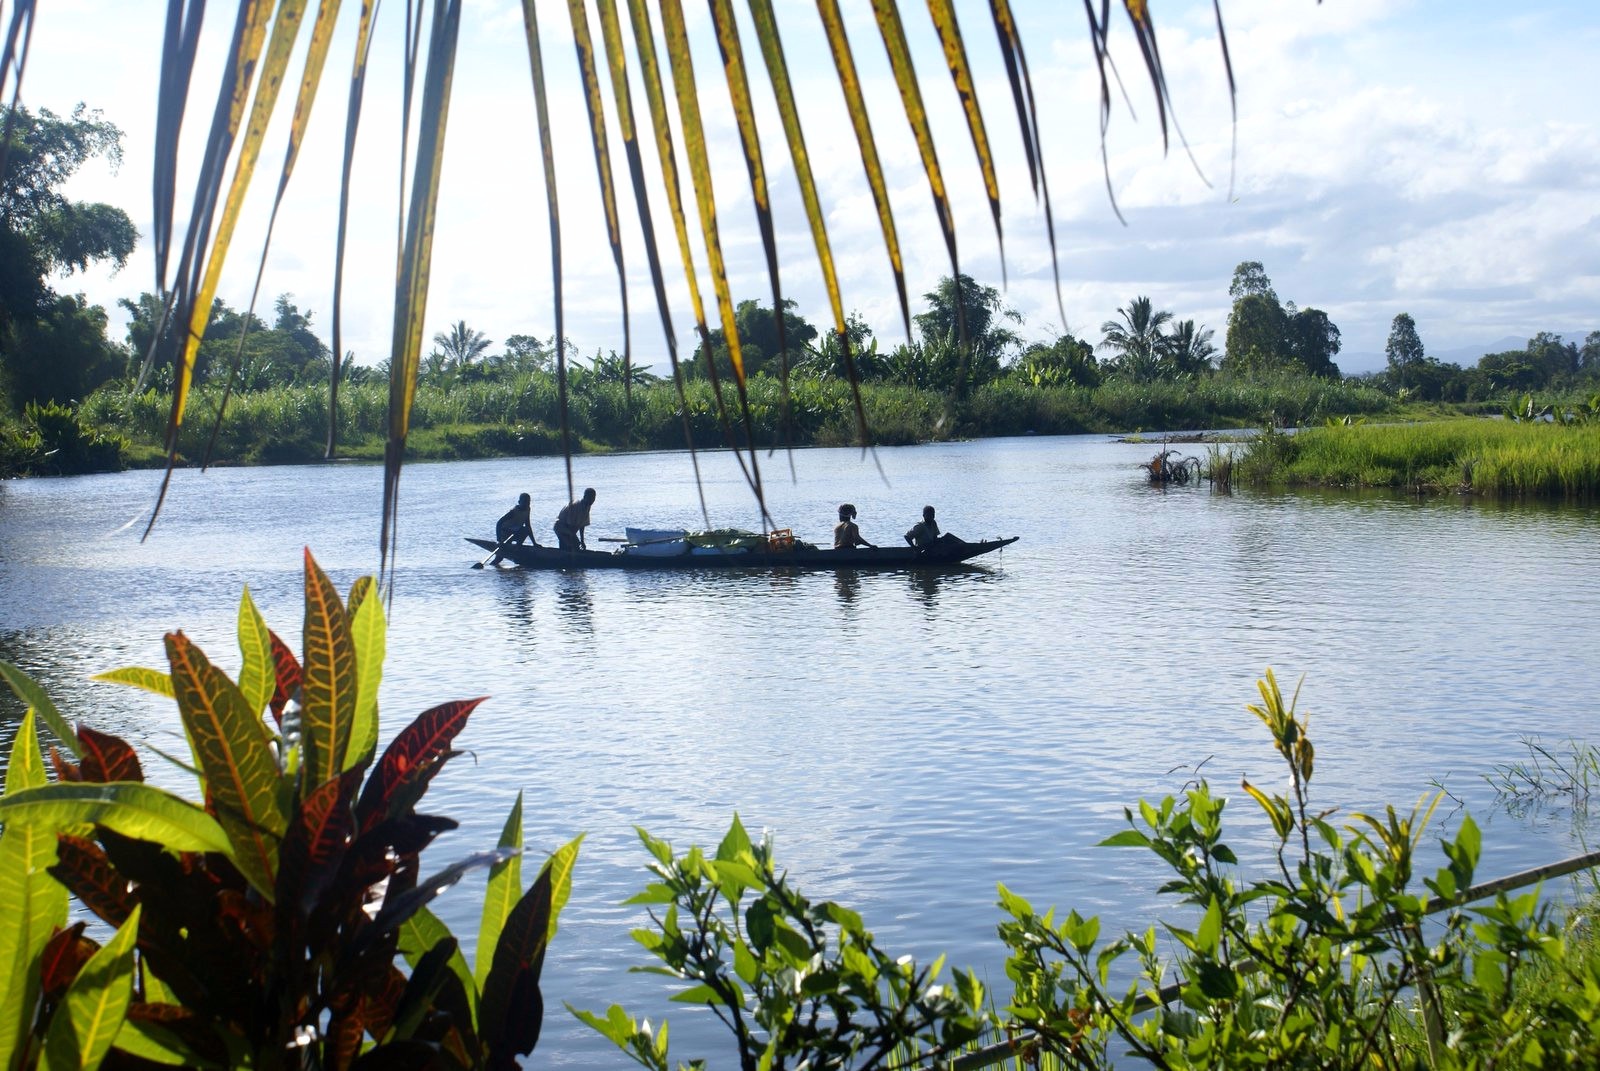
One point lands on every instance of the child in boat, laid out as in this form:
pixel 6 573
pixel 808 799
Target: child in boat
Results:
pixel 925 533
pixel 515 526
pixel 846 536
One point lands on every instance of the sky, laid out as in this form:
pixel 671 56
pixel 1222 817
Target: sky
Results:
pixel 1436 159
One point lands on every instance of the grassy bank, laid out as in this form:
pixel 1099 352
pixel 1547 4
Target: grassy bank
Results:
pixel 1483 456
pixel 520 415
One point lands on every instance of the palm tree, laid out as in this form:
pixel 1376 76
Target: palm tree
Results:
pixel 1136 339
pixel 460 346
pixel 1188 349
pixel 672 93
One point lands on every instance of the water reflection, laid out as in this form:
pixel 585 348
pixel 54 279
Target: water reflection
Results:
pixel 515 597
pixel 575 601
pixel 847 585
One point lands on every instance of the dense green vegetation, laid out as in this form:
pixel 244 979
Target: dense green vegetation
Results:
pixel 283 921
pixel 1504 458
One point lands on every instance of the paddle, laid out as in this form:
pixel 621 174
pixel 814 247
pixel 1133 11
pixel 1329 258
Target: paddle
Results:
pixel 492 553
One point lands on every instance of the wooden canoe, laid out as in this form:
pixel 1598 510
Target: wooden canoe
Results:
pixel 941 554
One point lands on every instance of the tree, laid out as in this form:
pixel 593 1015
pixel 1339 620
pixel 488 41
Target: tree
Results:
pixel 524 353
pixel 1589 356
pixel 48 349
pixel 826 359
pixel 1556 362
pixel 1313 340
pixel 457 349
pixel 1250 279
pixel 1064 361
pixel 1256 329
pixel 1187 350
pixel 758 341
pixel 1403 351
pixel 986 342
pixel 1136 339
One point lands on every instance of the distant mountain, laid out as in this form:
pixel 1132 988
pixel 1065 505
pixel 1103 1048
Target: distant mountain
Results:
pixel 1357 362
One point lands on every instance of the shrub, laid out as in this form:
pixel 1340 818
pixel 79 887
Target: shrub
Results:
pixel 261 928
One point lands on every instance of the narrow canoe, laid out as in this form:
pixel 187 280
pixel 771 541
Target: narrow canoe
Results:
pixel 942 554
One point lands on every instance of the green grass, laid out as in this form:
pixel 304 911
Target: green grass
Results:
pixel 1484 456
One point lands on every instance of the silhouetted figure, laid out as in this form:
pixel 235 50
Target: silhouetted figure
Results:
pixel 516 526
pixel 572 520
pixel 925 533
pixel 846 536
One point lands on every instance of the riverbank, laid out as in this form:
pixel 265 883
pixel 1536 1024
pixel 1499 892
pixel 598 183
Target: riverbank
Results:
pixel 1491 457
pixel 521 415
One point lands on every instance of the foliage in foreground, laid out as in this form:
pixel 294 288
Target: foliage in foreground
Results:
pixel 264 928
pixel 1323 962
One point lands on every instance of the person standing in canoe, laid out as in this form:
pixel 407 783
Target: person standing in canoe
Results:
pixel 515 526
pixel 572 520
pixel 846 535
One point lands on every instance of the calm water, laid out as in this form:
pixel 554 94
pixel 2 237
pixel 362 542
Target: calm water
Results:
pixel 908 739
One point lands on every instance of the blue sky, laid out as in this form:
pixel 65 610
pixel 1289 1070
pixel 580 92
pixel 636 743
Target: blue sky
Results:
pixel 1436 159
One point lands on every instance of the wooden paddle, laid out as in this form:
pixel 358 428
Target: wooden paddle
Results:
pixel 492 553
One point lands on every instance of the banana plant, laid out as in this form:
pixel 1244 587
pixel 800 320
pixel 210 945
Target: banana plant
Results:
pixel 267 924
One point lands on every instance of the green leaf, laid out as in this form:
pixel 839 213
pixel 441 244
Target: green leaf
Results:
pixel 35 904
pixel 420 934
pixel 1128 838
pixel 735 844
pixel 235 753
pixel 258 675
pixel 92 1012
pixel 329 687
pixel 368 632
pixel 151 680
pixel 698 994
pixel 1210 932
pixel 33 695
pixel 148 1041
pixel 505 889
pixel 131 808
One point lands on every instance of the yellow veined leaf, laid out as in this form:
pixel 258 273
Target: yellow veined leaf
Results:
pixel 602 158
pixel 560 866
pixel 131 808
pixel 504 890
pixel 258 674
pixel 416 259
pixel 150 680
pixel 855 103
pixel 955 57
pixel 235 753
pixel 35 904
pixel 368 635
pixel 150 1042
pixel 28 690
pixel 329 687
pixel 95 1005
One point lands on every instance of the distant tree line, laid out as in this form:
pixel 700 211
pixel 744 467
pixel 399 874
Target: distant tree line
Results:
pixel 1546 364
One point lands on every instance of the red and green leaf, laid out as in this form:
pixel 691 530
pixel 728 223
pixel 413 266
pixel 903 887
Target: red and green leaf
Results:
pixel 107 758
pixel 328 689
pixel 410 755
pixel 286 676
pixel 235 755
pixel 63 957
pixel 82 867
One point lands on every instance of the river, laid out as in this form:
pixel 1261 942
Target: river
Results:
pixel 908 739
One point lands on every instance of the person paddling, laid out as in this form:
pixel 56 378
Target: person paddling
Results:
pixel 572 520
pixel 846 535
pixel 515 527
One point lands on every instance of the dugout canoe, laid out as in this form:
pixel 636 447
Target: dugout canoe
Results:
pixel 942 554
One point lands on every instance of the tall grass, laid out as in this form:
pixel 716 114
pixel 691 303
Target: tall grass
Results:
pixel 1484 456
pixel 520 413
